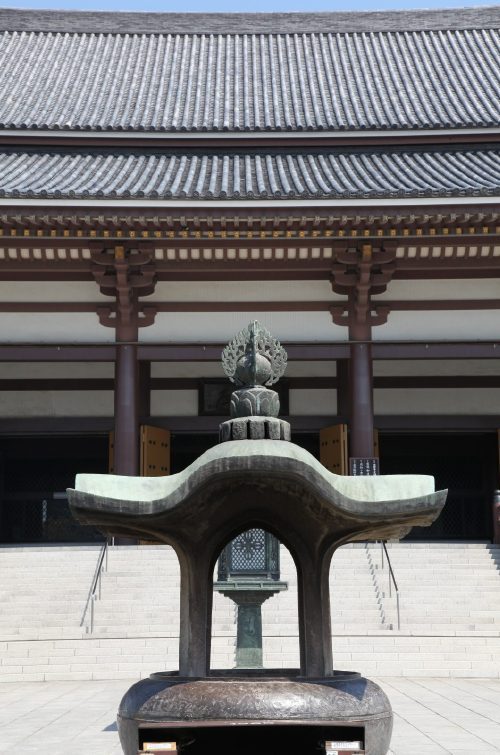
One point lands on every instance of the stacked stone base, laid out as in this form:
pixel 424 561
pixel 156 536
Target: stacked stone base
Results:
pixel 254 428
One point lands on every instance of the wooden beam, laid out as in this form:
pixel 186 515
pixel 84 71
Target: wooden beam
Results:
pixel 57 353
pixel 212 352
pixel 385 382
pixel 437 350
pixel 396 305
pixel 297 352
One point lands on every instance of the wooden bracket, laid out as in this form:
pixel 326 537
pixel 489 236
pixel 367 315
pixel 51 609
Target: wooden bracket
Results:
pixel 360 274
pixel 146 315
pixel 377 315
pixel 126 275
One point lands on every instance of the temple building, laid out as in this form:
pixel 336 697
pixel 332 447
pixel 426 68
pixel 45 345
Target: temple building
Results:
pixel 165 179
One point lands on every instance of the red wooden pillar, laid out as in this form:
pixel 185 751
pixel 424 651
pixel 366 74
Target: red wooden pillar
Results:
pixel 126 456
pixel 359 274
pixel 343 389
pixel 361 393
pixel 125 275
pixel 126 459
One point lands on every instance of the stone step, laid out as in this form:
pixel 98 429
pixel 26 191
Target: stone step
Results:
pixel 447 606
pixel 100 657
pixel 444 592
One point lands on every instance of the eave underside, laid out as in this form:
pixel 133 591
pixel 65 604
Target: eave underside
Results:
pixel 266 242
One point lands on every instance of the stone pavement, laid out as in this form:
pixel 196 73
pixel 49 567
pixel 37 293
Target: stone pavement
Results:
pixel 432 716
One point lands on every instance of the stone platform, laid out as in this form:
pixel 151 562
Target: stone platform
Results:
pixel 431 717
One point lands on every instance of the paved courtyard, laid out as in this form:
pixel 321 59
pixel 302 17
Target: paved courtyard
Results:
pixel 457 716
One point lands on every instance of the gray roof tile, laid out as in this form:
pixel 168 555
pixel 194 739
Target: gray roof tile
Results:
pixel 298 80
pixel 370 173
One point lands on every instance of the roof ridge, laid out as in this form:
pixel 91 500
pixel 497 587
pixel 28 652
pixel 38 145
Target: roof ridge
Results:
pixel 107 22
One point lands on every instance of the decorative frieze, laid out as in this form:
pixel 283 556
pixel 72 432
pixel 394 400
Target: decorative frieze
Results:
pixel 245 227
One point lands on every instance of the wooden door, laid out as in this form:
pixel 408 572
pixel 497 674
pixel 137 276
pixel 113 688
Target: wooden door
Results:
pixel 155 451
pixel 333 452
pixel 155 457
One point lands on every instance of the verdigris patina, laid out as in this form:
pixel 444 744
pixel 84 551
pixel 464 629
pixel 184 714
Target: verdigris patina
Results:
pixel 254 360
pixel 256 478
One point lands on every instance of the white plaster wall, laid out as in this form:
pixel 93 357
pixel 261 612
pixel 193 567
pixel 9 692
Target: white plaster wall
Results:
pixel 217 327
pixel 442 289
pixel 311 369
pixel 56 404
pixel 48 291
pixel 432 326
pixel 453 401
pixel 187 370
pixel 53 328
pixel 424 367
pixel 227 291
pixel 321 401
pixel 174 403
pixel 48 370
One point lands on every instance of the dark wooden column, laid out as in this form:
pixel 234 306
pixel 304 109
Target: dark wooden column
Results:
pixel 360 273
pixel 360 393
pixel 126 460
pixel 125 274
pixel 144 391
pixel 343 389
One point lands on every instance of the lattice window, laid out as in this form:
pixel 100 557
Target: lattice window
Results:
pixel 254 553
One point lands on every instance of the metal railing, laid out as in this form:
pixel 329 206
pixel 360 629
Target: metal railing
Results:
pixel 95 588
pixel 392 578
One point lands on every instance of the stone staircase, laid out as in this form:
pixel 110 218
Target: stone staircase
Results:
pixel 449 600
pixel 449 596
pixel 43 590
pixel 447 587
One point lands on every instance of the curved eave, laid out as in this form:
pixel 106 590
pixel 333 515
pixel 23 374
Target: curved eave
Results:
pixel 91 509
pixel 114 517
pixel 301 490
pixel 326 176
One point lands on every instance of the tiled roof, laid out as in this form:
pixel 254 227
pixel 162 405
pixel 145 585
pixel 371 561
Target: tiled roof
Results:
pixel 444 77
pixel 91 22
pixel 371 173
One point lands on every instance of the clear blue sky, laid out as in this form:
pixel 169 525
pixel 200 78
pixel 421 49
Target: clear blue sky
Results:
pixel 226 6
